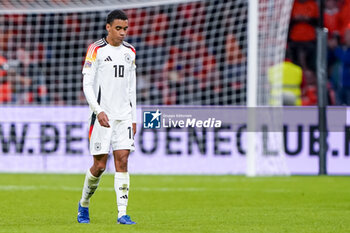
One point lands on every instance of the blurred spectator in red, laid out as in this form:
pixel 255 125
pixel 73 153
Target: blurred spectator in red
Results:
pixel 190 66
pixel 344 17
pixel 304 19
pixel 309 88
pixel 303 34
pixel 332 18
pixel 204 69
pixel 201 63
pixel 5 84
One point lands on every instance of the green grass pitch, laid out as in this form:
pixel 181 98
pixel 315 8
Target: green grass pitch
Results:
pixel 187 204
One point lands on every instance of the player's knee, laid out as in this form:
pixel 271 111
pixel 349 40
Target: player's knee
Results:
pixel 100 167
pixel 97 170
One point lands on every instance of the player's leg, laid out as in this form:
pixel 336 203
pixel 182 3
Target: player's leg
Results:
pixel 122 144
pixel 122 184
pixel 121 180
pixel 92 178
pixel 99 147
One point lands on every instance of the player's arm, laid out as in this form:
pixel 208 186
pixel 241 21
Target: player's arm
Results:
pixel 89 75
pixel 132 96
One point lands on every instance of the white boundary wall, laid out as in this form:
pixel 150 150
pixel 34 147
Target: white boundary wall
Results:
pixel 158 151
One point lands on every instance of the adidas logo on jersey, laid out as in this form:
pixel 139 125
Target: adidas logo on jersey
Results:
pixel 108 58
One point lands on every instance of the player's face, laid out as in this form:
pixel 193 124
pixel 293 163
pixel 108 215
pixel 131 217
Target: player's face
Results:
pixel 117 31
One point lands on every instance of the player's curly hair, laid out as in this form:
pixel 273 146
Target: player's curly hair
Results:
pixel 116 14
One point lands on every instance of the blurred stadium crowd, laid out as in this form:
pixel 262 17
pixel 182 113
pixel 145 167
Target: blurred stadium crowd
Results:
pixel 193 53
pixel 302 48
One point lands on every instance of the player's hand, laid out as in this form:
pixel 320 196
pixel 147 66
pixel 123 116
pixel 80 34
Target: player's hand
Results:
pixel 134 128
pixel 103 119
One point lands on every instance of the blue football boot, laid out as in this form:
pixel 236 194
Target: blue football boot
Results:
pixel 83 214
pixel 125 219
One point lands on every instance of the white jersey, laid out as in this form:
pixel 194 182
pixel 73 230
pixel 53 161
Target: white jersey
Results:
pixel 109 82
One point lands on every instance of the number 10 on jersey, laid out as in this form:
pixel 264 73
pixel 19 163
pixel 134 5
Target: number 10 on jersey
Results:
pixel 118 71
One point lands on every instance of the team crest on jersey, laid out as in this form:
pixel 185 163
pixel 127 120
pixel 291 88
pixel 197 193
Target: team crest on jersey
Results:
pixel 127 58
pixel 87 64
pixel 97 146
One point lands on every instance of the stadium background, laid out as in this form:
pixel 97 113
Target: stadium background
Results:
pixel 187 54
pixel 190 55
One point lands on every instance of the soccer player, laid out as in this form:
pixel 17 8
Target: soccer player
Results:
pixel 109 86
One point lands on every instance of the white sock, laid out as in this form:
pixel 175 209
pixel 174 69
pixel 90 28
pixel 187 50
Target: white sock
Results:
pixel 121 186
pixel 90 185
